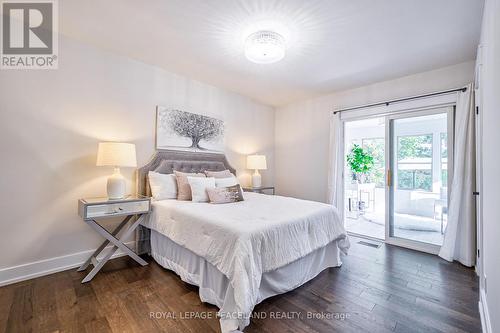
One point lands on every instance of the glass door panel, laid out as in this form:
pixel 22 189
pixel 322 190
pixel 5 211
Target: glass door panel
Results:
pixel 419 170
pixel 364 177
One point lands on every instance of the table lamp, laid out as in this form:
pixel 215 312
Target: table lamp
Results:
pixel 116 154
pixel 256 162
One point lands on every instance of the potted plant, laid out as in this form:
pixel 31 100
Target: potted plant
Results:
pixel 360 162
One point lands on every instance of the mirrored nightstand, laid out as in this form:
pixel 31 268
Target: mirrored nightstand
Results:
pixel 98 208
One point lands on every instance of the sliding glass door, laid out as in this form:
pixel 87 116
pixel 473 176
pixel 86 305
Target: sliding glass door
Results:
pixel 417 172
pixel 396 176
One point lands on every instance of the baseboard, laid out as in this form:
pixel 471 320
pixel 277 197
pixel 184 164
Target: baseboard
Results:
pixel 484 313
pixel 35 269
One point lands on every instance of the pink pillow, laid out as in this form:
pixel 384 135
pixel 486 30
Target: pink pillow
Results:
pixel 183 187
pixel 220 195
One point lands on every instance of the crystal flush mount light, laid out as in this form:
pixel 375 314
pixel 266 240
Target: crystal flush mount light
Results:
pixel 265 47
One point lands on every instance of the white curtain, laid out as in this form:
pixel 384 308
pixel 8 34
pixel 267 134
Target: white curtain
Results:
pixel 336 161
pixel 460 236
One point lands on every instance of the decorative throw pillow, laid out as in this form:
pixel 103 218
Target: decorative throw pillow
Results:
pixel 183 188
pixel 199 187
pixel 220 195
pixel 219 174
pixel 226 182
pixel 163 186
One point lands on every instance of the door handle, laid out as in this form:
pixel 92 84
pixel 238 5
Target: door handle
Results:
pixel 389 178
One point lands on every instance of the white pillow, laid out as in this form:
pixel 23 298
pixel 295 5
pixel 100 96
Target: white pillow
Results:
pixel 163 186
pixel 226 182
pixel 199 187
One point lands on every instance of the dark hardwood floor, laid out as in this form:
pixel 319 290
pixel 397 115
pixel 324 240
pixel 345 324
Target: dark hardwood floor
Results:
pixel 388 289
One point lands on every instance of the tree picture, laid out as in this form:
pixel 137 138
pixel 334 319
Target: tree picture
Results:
pixel 190 131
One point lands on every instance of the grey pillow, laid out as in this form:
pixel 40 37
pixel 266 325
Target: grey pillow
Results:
pixel 220 195
pixel 219 174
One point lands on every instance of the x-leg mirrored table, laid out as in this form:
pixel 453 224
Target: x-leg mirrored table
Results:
pixel 133 209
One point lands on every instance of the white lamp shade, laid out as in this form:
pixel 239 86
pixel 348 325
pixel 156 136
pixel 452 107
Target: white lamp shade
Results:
pixel 256 162
pixel 116 154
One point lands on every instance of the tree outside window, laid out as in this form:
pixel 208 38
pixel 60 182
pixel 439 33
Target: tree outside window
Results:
pixel 414 157
pixel 376 148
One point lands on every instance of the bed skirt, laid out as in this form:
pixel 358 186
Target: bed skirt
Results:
pixel 214 287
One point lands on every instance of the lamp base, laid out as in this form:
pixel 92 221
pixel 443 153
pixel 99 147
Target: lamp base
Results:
pixel 256 179
pixel 116 185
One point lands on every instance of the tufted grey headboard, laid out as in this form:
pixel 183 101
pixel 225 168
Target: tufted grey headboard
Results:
pixel 166 161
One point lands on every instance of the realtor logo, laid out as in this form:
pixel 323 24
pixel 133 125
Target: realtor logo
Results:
pixel 29 34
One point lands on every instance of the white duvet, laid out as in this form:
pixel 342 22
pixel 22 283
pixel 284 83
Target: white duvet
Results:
pixel 247 238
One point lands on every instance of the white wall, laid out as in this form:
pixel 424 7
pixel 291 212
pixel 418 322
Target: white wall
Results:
pixel 51 122
pixel 490 191
pixel 302 129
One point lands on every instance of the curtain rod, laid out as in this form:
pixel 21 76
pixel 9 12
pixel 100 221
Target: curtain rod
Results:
pixel 400 100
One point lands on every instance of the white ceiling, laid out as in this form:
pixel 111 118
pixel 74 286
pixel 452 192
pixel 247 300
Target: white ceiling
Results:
pixel 331 44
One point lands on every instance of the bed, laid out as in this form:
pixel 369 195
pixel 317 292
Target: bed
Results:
pixel 241 253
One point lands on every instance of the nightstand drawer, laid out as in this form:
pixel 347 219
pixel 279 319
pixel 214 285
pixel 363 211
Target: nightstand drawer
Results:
pixel 116 209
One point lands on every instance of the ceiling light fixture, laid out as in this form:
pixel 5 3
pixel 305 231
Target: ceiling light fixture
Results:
pixel 265 47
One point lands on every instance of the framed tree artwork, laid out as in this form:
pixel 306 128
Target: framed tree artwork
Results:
pixel 182 130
